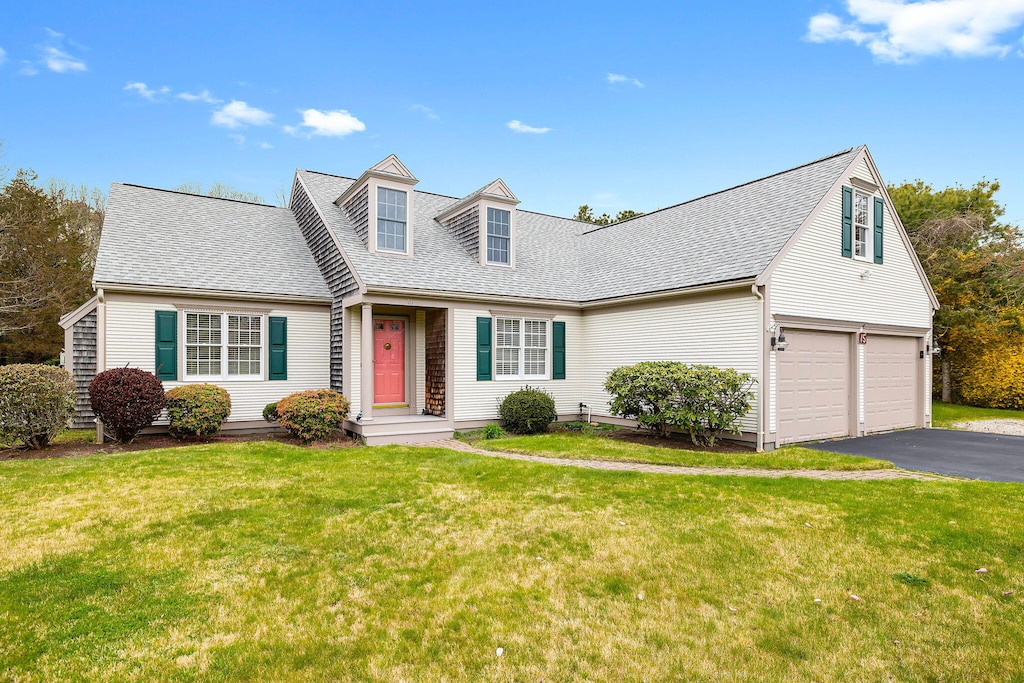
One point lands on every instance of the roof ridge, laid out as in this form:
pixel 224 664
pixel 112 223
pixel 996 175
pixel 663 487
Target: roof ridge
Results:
pixel 445 196
pixel 201 196
pixel 729 189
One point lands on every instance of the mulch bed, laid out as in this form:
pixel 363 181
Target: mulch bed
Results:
pixel 148 441
pixel 678 441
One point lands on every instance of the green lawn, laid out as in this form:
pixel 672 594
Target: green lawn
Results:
pixel 265 561
pixel 946 414
pixel 581 446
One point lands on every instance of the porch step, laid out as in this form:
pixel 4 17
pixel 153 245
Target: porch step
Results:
pixel 400 429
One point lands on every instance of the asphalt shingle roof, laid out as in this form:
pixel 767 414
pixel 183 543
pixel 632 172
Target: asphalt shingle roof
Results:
pixel 160 238
pixel 171 239
pixel 727 235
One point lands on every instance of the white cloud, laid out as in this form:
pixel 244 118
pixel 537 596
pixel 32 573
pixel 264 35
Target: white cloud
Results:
pixel 239 139
pixel 203 96
pixel 55 58
pixel 520 127
pixel 237 113
pixel 337 123
pixel 3 55
pixel 904 30
pixel 620 78
pixel 425 110
pixel 146 92
pixel 266 145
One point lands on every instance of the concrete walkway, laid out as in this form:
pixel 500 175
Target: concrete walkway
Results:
pixel 619 466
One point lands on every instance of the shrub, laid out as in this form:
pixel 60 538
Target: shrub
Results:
pixel 36 402
pixel 127 400
pixel 312 415
pixel 995 378
pixel 270 412
pixel 197 409
pixel 527 411
pixel 493 431
pixel 701 399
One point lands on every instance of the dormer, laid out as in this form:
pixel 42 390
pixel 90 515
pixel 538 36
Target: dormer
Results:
pixel 380 206
pixel 484 223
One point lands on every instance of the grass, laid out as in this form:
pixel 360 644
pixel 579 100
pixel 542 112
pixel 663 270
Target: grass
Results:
pixel 266 561
pixel 947 414
pixel 582 446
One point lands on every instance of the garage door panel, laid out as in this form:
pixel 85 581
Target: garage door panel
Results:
pixel 890 383
pixel 813 386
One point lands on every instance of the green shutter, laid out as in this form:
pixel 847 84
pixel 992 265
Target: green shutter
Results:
pixel 166 363
pixel 847 221
pixel 483 349
pixel 558 350
pixel 278 338
pixel 879 221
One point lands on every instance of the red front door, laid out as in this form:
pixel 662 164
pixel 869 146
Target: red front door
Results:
pixel 388 361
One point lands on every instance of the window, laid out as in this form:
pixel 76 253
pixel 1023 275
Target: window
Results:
pixel 861 224
pixel 499 236
pixel 521 348
pixel 206 345
pixel 391 219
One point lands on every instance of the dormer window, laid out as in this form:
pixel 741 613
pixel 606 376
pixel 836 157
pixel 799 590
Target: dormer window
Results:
pixel 391 219
pixel 499 236
pixel 484 223
pixel 379 205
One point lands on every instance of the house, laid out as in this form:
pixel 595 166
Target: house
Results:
pixel 426 309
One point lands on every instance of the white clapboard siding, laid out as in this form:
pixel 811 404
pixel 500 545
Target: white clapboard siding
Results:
pixel 720 331
pixel 130 332
pixel 476 400
pixel 815 280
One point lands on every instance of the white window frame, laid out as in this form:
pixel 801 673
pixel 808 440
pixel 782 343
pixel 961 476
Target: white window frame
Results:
pixel 869 227
pixel 521 374
pixel 487 236
pixel 378 218
pixel 223 376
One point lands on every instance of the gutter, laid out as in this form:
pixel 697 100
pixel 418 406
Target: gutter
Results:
pixel 209 293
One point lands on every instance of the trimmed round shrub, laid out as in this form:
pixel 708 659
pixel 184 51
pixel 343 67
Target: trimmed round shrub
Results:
pixel 270 412
pixel 527 411
pixel 312 415
pixel 127 400
pixel 197 409
pixel 36 402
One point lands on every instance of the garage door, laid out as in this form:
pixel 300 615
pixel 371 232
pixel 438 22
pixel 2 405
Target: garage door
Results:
pixel 890 383
pixel 813 386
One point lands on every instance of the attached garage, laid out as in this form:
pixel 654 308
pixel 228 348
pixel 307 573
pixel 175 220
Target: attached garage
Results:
pixel 891 367
pixel 814 386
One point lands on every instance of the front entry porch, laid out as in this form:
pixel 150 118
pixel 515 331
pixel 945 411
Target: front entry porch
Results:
pixel 396 371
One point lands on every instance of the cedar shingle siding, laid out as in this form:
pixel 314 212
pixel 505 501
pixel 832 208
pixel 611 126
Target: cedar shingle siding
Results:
pixel 358 208
pixel 83 358
pixel 466 228
pixel 332 266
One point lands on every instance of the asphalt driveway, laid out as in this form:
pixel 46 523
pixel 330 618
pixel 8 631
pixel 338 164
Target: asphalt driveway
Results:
pixel 992 457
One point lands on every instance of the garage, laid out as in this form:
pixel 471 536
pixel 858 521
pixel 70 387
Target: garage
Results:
pixel 814 386
pixel 891 366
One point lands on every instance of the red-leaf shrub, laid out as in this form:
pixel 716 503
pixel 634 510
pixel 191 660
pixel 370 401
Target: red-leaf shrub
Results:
pixel 127 400
pixel 197 409
pixel 312 415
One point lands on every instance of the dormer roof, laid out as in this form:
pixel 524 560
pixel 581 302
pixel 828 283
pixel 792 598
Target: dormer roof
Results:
pixel 391 169
pixel 495 191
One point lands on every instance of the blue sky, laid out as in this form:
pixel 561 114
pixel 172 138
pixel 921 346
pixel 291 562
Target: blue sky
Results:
pixel 620 105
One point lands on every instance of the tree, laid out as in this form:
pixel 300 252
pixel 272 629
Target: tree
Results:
pixel 586 214
pixel 221 191
pixel 48 240
pixel 975 264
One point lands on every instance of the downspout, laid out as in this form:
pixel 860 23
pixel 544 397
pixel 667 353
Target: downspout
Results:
pixel 101 347
pixel 760 366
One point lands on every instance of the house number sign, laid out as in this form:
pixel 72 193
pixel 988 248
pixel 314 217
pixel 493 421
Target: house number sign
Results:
pixel 862 337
